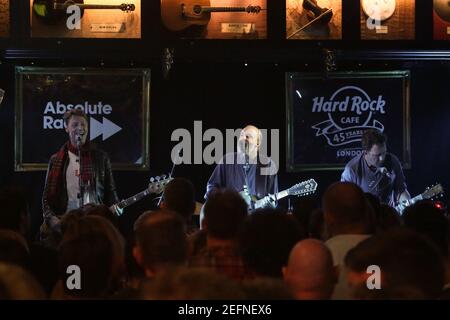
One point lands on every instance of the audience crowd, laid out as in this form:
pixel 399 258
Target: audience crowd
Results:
pixel 350 246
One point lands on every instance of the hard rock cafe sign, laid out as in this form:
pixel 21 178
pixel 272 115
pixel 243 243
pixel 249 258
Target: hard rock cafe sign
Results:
pixel 350 111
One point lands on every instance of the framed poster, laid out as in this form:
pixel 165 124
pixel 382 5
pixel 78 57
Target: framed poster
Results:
pixel 441 19
pixel 326 117
pixel 113 19
pixel 314 20
pixel 215 19
pixel 4 18
pixel 115 100
pixel 387 20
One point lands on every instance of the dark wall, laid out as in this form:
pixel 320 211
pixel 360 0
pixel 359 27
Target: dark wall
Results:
pixel 232 95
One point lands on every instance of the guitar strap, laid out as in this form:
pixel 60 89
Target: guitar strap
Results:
pixel 246 169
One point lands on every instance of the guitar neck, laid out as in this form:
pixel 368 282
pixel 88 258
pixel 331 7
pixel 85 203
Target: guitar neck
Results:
pixel 223 9
pixel 282 194
pixel 127 202
pixel 416 198
pixel 64 6
pixel 228 9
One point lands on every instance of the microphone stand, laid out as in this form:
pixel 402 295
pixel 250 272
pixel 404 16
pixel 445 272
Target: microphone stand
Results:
pixel 80 180
pixel 384 173
pixel 246 170
pixel 170 175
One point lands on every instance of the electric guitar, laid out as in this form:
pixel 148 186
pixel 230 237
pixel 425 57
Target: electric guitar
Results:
pixel 429 193
pixel 300 189
pixel 156 186
pixel 53 11
pixel 178 15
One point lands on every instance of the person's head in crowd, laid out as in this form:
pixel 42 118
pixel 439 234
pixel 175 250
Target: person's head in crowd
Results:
pixel 310 272
pixel 179 196
pixel 408 266
pixel 161 241
pixel 97 228
pixel 14 212
pixel 374 202
pixel 17 284
pixel 428 220
pixel 373 206
pixel 92 254
pixel 44 266
pixel 14 248
pixel 303 209
pixel 190 284
pixel 266 289
pixel 225 211
pixel 316 226
pixel 70 221
pixel 266 239
pixel 102 211
pixel 388 218
pixel 345 210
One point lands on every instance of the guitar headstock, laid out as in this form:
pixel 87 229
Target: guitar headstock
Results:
pixel 127 7
pixel 253 9
pixel 303 188
pixel 433 191
pixel 158 183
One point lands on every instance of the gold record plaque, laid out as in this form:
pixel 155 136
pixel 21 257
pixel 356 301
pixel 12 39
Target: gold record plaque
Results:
pixel 387 19
pixel 4 18
pixel 110 19
pixel 215 19
pixel 313 19
pixel 441 19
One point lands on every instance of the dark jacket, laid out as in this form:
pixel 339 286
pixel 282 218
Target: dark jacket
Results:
pixel 105 188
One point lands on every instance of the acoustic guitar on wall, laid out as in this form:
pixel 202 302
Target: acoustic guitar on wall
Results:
pixel 178 15
pixel 55 11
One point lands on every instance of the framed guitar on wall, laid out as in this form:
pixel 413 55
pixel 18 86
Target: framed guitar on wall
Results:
pixel 215 19
pixel 387 19
pixel 441 19
pixel 313 19
pixel 85 19
pixel 4 18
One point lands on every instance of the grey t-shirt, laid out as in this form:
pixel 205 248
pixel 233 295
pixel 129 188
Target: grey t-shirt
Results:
pixel 387 186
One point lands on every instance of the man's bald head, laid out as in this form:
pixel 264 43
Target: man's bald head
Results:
pixel 344 204
pixel 254 132
pixel 310 272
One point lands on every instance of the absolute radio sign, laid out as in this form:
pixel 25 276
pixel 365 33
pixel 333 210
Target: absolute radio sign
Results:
pixel 116 102
pixel 327 116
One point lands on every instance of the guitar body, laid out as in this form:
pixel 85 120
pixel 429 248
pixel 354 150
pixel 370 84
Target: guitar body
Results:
pixel 44 9
pixel 178 15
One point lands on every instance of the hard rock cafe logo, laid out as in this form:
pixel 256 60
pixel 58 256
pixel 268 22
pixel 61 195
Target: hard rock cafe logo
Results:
pixel 350 112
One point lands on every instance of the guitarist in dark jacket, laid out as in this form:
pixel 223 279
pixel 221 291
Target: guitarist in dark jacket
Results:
pixel 62 185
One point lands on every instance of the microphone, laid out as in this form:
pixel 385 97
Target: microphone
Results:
pixel 385 171
pixel 246 155
pixel 78 139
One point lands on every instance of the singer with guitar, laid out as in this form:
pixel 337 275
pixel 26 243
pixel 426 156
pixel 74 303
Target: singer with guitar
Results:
pixel 78 174
pixel 247 171
pixel 377 171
